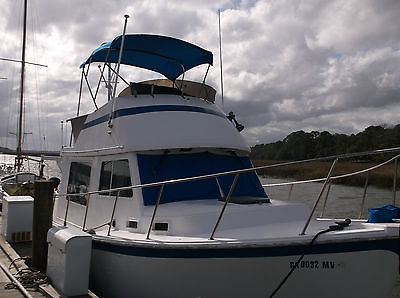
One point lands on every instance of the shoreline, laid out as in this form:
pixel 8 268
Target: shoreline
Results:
pixel 381 177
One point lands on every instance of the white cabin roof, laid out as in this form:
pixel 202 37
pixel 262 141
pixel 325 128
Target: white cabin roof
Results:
pixel 157 122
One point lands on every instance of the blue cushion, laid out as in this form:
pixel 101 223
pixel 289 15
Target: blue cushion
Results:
pixel 383 213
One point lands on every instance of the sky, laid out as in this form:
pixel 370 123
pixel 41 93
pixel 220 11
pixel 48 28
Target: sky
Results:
pixel 288 65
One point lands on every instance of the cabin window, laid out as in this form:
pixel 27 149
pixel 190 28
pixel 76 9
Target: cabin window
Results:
pixel 114 174
pixel 155 168
pixel 78 182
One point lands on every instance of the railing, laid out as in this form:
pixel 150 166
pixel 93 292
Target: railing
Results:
pixel 326 183
pixel 328 180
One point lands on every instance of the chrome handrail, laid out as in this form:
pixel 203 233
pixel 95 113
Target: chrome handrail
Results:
pixel 224 207
pixel 113 213
pixel 155 210
pixel 326 198
pixel 334 177
pixel 364 195
pixel 319 197
pixel 327 179
pixel 86 212
pixel 232 172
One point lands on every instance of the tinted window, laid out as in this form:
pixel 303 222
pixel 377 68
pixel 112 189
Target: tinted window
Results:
pixel 78 182
pixel 115 174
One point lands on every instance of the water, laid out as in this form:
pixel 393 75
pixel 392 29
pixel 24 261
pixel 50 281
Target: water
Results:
pixel 343 201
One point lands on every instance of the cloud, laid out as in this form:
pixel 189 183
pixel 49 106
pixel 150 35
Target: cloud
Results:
pixel 288 65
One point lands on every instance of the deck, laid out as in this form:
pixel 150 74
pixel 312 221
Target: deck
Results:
pixel 7 256
pixel 11 252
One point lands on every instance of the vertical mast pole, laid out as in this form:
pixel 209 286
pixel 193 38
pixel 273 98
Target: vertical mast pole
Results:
pixel 21 103
pixel 220 56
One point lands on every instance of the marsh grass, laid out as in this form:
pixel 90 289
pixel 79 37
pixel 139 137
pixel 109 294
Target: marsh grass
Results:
pixel 381 177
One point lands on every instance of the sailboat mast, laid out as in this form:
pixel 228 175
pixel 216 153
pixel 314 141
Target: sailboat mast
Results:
pixel 21 102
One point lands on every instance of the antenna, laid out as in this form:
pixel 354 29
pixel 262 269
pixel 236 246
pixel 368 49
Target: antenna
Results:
pixel 62 134
pixel 220 57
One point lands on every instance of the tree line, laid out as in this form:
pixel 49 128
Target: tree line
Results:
pixel 304 145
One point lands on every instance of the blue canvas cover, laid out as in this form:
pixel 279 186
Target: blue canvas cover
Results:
pixel 156 168
pixel 383 213
pixel 166 55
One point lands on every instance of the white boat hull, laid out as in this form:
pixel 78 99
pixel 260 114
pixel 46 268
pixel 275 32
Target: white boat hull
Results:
pixel 350 269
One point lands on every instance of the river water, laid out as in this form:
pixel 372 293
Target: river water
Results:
pixel 343 201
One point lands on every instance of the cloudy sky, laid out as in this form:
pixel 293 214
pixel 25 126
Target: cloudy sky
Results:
pixel 288 65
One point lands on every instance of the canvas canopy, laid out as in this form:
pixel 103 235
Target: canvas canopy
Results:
pixel 155 168
pixel 166 55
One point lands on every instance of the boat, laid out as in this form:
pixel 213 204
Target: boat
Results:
pixel 160 177
pixel 17 181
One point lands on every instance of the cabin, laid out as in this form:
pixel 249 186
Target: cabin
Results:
pixel 155 131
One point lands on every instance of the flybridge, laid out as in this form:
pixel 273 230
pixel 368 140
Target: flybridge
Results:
pixel 165 55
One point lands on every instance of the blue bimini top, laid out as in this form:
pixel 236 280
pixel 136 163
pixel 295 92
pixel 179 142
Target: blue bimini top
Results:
pixel 166 55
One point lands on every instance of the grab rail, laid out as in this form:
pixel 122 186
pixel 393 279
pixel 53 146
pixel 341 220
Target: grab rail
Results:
pixel 112 214
pixel 329 179
pixel 326 180
pixel 155 210
pixel 226 203
pixel 319 197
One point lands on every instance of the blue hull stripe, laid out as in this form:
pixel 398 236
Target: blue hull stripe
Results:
pixel 249 252
pixel 151 109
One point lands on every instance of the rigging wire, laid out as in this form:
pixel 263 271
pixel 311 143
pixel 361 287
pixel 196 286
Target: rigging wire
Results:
pixel 14 87
pixel 10 104
pixel 13 91
pixel 34 25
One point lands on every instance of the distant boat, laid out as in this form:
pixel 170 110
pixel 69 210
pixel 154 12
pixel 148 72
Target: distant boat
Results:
pixel 18 182
pixel 161 178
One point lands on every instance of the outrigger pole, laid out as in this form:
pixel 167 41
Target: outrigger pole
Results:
pixel 117 71
pixel 120 54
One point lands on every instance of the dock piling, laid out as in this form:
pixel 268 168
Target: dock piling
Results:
pixel 42 222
